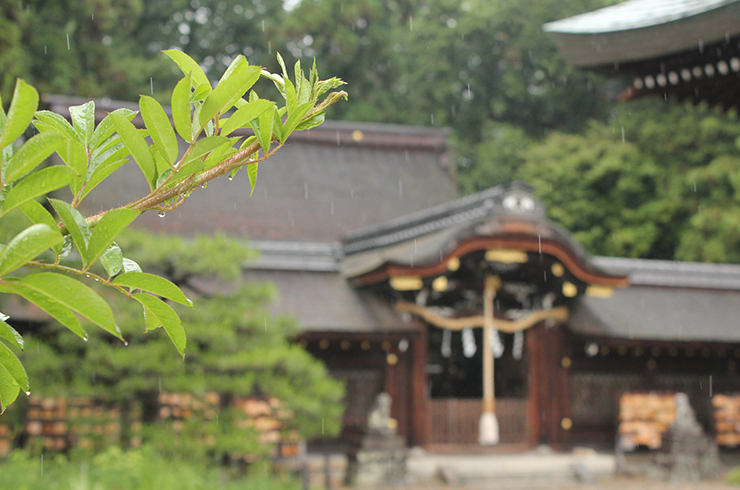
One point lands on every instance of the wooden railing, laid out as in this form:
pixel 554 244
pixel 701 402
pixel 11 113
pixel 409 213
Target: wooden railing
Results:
pixel 455 420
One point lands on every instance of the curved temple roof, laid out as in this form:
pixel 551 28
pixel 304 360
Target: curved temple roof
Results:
pixel 423 242
pixel 643 29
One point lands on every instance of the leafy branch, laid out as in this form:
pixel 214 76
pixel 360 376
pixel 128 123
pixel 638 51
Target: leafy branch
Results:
pixel 214 121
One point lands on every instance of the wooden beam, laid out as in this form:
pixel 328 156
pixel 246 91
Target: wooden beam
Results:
pixel 559 314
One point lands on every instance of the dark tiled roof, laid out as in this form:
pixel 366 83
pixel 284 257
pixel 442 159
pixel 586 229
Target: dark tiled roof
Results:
pixel 660 313
pixel 324 301
pixel 666 300
pixel 461 211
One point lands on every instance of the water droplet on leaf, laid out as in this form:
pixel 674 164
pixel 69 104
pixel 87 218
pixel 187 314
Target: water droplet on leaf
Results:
pixel 160 214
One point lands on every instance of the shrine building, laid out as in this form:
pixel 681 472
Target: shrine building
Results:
pixel 463 309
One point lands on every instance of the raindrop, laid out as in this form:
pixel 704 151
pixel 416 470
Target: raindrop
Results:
pixel 622 134
pixel 432 117
pixel 263 26
pixel 42 465
pixel 44 48
pixel 151 86
pixel 125 343
pixel 68 42
pixel 231 177
pixel 216 419
pixel 694 187
pixel 545 273
pixel 416 248
pixel 93 16
pixel 85 338
pixel 400 188
pixel 160 214
pixel 331 204
pixel 305 190
pixel 203 186
pixel 338 140
pixel 265 324
pixel 539 242
pixel 269 47
pixel 411 23
pixel 159 384
pixel 28 393
pixel 322 425
pixel 710 386
pixel 351 193
pixel 701 46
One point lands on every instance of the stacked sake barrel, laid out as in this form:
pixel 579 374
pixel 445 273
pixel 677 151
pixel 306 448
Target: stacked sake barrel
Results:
pixel 727 419
pixel 644 418
pixel 46 423
pixel 269 418
pixel 59 423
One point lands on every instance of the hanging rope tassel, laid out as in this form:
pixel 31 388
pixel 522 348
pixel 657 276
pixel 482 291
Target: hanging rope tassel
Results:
pixel 518 348
pixel 446 349
pixel 497 347
pixel 468 340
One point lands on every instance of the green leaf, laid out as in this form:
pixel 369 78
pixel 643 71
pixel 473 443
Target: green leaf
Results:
pixel 52 307
pixel 203 147
pixel 109 226
pixel 24 104
pixel 105 129
pixel 136 145
pixel 153 284
pixel 8 389
pixel 75 156
pixel 83 120
pixel 245 114
pixel 181 107
pixel 11 362
pixel 201 92
pixel 252 173
pixel 160 129
pixel 76 296
pixel 294 119
pixel 112 260
pixel 38 184
pixel 75 224
pixel 9 333
pixel 38 214
pixel 263 130
pixel 227 93
pixel 32 153
pixel 51 121
pixel 158 313
pixel 188 66
pixel 26 245
pixel 238 64
pixel 311 123
pixel 130 266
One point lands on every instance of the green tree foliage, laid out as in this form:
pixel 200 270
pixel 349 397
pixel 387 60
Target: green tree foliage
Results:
pixel 204 117
pixel 110 48
pixel 669 189
pixel 235 347
pixel 447 62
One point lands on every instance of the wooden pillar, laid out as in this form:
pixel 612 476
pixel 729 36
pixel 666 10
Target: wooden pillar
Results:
pixel 420 434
